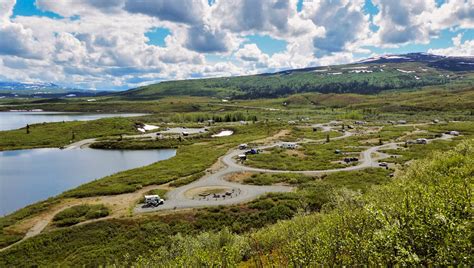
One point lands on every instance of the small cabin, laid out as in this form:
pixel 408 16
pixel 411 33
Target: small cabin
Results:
pixel 289 145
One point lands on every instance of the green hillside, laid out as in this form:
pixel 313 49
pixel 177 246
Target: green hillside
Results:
pixel 362 78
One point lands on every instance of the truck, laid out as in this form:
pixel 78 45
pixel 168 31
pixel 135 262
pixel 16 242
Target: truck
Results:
pixel 153 201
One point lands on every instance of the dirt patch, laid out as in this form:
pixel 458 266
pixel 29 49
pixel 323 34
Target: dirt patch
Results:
pixel 281 133
pixel 238 177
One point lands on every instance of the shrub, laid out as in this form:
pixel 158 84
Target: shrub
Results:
pixel 79 213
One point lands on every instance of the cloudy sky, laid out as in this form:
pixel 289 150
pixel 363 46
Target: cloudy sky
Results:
pixel 121 44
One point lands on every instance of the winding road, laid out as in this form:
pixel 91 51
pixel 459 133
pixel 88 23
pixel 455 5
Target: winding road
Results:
pixel 177 198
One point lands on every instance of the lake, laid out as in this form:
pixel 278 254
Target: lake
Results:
pixel 15 120
pixel 28 176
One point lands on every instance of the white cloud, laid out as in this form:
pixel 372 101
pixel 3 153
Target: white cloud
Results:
pixel 403 21
pixel 103 44
pixel 454 13
pixel 418 21
pixel 6 9
pixel 69 8
pixel 343 20
pixel 250 52
pixel 182 11
pixel 459 48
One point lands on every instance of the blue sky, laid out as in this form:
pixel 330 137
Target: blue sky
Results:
pixel 120 44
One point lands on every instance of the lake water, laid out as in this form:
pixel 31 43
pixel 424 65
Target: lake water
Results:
pixel 28 176
pixel 15 120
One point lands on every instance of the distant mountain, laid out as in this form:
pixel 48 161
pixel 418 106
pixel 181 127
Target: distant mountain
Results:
pixel 369 76
pixel 42 90
pixel 28 86
pixel 442 62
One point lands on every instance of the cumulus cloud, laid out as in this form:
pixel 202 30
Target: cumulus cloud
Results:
pixel 418 21
pixel 250 52
pixel 459 48
pixel 203 38
pixel 403 21
pixel 183 11
pixel 69 8
pixel 343 20
pixel 6 9
pixel 16 40
pixel 103 44
pixel 454 13
pixel 277 18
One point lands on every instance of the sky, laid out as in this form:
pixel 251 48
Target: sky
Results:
pixel 122 44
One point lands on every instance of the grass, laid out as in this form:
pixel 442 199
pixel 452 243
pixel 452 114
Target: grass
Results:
pixel 308 133
pixel 189 160
pixel 122 240
pixel 403 222
pixel 187 165
pixel 79 213
pixel 308 156
pixel 187 180
pixel 61 134
pixel 8 235
pixel 418 151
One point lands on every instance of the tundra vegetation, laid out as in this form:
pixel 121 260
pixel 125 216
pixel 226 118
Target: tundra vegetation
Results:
pixel 418 214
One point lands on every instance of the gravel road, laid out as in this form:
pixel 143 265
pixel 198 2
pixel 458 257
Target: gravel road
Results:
pixel 176 198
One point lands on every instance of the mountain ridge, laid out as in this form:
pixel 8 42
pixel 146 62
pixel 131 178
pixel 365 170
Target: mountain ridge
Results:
pixel 373 75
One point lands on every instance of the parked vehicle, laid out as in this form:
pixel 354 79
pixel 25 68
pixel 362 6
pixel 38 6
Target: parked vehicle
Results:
pixel 289 145
pixel 351 159
pixel 153 201
pixel 421 141
pixel 243 146
pixel 383 164
pixel 252 151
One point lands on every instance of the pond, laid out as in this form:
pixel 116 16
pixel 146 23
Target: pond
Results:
pixel 15 120
pixel 28 176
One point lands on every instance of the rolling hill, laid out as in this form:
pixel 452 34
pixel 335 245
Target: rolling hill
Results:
pixel 369 76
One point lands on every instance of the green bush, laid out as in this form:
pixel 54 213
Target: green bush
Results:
pixel 421 219
pixel 67 222
pixel 79 213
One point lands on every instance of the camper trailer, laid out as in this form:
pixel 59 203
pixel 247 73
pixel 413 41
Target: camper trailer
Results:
pixel 242 157
pixel 289 145
pixel 421 141
pixel 153 201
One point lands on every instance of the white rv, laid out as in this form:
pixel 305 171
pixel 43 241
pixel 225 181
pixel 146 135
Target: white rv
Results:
pixel 289 145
